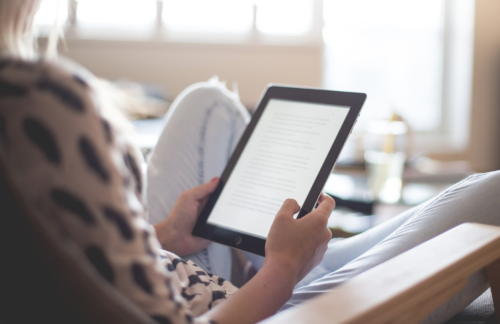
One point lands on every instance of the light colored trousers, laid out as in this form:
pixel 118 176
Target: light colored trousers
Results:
pixel 201 130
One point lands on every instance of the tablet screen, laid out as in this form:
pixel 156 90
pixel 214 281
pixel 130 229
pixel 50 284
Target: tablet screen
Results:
pixel 281 160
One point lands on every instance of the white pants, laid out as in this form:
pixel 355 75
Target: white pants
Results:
pixel 202 128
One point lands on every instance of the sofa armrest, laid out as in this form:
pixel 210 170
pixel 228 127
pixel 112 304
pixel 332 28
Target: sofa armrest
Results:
pixel 410 286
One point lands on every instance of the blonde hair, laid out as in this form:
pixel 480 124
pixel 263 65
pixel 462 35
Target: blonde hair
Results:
pixel 16 27
pixel 17 37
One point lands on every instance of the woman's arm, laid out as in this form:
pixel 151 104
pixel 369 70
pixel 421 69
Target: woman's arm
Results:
pixel 260 298
pixel 293 248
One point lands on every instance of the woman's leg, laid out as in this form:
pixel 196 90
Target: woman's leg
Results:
pixel 202 127
pixel 342 251
pixel 472 200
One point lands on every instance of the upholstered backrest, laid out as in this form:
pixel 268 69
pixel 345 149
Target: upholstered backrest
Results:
pixel 480 311
pixel 44 277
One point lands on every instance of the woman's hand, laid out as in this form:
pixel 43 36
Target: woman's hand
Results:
pixel 299 244
pixel 293 248
pixel 175 232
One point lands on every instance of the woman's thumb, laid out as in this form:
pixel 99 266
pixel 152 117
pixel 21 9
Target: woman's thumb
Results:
pixel 289 208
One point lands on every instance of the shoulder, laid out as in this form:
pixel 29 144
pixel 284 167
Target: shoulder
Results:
pixel 43 97
pixel 50 127
pixel 26 72
pixel 65 102
pixel 21 79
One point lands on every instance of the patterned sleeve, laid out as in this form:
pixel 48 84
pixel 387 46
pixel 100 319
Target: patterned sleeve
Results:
pixel 71 163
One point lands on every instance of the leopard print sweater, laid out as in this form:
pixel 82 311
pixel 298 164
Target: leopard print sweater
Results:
pixel 70 162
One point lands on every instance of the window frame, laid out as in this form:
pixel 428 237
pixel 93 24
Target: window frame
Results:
pixel 451 136
pixel 159 32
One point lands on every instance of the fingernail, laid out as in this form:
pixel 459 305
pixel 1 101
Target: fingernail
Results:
pixel 214 178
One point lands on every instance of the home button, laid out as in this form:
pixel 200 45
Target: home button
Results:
pixel 238 240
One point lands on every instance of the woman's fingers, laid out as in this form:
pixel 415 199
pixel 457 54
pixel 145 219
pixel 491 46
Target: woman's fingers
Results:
pixel 204 190
pixel 326 205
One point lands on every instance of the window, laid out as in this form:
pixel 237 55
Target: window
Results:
pixel 266 17
pixel 209 16
pixel 284 17
pixel 391 50
pixel 116 12
pixel 411 57
pixel 49 10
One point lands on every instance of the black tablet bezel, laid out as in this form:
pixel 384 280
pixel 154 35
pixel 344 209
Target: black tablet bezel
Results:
pixel 255 244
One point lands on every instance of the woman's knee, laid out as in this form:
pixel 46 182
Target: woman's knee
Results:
pixel 203 96
pixel 491 178
pixel 475 199
pixel 481 184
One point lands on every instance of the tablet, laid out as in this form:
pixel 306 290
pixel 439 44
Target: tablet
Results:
pixel 288 150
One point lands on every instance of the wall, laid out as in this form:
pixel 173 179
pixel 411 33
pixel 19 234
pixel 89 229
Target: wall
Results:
pixel 484 151
pixel 177 65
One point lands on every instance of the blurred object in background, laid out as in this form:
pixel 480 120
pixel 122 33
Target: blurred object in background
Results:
pixel 385 155
pixel 353 213
pixel 346 223
pixel 134 100
pixel 145 105
pixel 142 104
pixel 426 165
pixel 142 101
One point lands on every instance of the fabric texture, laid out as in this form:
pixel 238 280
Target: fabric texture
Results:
pixel 481 311
pixel 70 162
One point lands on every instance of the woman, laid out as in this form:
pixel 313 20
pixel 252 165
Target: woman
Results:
pixel 65 153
